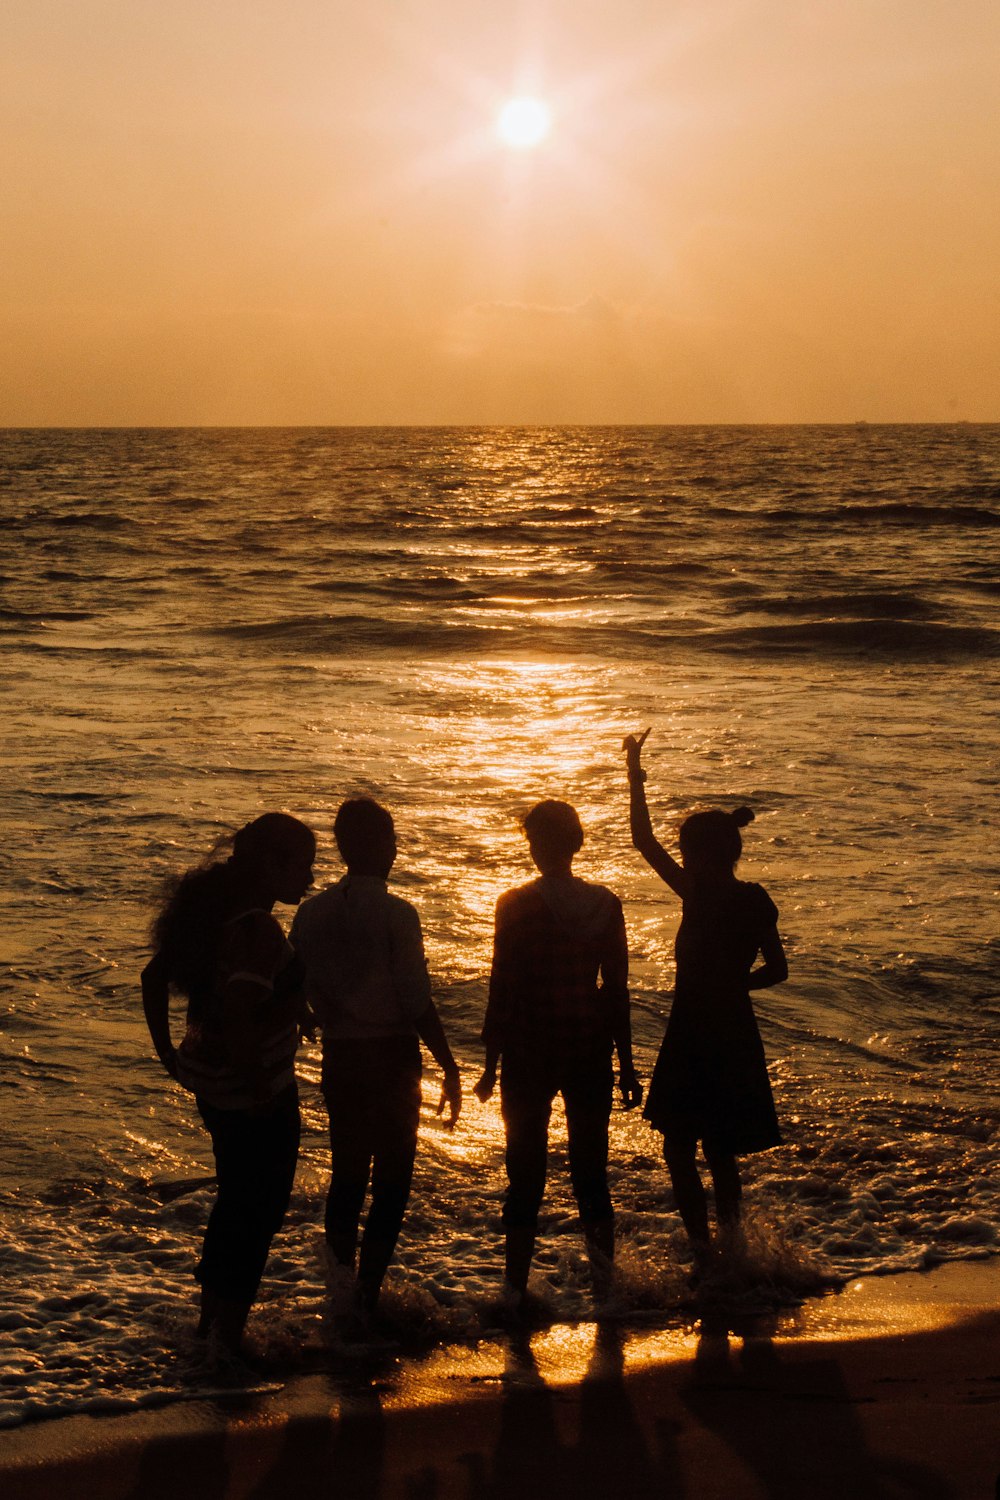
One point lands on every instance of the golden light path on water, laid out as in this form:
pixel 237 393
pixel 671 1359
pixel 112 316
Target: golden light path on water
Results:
pixel 500 734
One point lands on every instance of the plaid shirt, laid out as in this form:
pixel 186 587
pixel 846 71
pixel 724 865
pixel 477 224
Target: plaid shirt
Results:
pixel 544 990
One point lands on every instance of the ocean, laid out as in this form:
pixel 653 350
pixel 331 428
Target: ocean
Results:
pixel 200 625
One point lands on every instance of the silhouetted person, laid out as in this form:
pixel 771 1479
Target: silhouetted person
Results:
pixel 367 981
pixel 554 1025
pixel 217 943
pixel 710 1082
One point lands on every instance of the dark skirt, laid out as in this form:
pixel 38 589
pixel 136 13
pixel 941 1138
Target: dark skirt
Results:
pixel 713 1089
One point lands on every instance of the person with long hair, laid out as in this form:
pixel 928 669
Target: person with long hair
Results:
pixel 710 1083
pixel 217 943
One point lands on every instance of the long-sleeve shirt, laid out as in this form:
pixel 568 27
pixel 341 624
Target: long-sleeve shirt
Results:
pixel 555 939
pixel 363 951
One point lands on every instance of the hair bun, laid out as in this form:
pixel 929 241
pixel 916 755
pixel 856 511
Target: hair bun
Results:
pixel 741 816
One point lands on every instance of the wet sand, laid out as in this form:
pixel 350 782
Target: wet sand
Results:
pixel 889 1389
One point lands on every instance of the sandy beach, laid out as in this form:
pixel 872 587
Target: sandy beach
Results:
pixel 890 1388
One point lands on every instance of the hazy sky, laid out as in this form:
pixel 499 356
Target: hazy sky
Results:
pixel 300 212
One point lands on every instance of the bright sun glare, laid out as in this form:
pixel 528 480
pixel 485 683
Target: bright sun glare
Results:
pixel 523 123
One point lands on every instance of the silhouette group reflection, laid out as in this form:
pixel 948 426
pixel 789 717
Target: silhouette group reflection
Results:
pixel 754 1413
pixel 561 1442
pixel 790 1422
pixel 336 1448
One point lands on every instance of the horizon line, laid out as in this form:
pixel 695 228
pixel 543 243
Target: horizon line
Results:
pixel 860 422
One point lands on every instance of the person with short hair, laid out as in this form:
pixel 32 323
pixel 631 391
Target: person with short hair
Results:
pixel 367 982
pixel 710 1082
pixel 558 1008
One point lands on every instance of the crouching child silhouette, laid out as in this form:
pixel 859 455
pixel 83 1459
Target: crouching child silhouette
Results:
pixel 367 981
pixel 558 1007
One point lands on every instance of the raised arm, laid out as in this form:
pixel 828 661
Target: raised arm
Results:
pixel 643 836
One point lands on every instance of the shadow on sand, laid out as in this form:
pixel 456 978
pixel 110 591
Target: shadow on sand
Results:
pixel 891 1418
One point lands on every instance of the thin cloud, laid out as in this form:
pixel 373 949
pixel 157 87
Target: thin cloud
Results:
pixel 594 309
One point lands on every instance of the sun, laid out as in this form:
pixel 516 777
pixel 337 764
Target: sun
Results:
pixel 524 122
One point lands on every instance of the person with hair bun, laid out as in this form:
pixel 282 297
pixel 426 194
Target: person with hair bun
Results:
pixel 216 942
pixel 710 1083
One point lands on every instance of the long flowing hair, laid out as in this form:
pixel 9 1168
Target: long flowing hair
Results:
pixel 187 930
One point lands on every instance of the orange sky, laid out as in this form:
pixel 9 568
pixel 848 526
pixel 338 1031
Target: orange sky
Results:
pixel 252 212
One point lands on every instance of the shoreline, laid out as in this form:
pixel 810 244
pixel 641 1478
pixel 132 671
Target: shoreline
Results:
pixel 889 1387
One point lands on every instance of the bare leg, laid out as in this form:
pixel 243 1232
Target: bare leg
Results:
pixel 728 1188
pixel 689 1194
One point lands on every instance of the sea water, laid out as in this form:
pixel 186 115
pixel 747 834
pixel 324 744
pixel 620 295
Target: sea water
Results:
pixel 202 625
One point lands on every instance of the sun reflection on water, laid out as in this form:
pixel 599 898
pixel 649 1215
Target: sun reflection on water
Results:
pixel 500 733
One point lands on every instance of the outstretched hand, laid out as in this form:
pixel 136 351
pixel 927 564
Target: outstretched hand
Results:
pixel 632 745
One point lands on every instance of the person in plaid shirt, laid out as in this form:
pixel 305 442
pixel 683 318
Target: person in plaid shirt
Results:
pixel 558 1008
